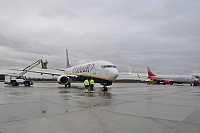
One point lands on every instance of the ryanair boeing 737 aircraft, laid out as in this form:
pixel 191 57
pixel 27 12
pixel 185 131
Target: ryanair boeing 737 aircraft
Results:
pixel 102 72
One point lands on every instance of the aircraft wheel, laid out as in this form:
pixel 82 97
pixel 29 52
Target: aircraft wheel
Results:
pixel 69 84
pixel 105 88
pixel 14 83
pixel 195 83
pixel 26 83
pixel 65 85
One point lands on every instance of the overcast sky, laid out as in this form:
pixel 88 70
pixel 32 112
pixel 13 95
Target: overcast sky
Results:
pixel 164 34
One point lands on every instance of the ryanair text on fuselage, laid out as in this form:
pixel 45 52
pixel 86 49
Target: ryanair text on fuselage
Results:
pixel 83 68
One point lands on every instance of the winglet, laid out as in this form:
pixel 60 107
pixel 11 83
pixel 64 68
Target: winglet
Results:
pixel 67 60
pixel 150 73
pixel 129 71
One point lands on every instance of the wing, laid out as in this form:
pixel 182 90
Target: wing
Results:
pixel 53 72
pixel 142 76
pixel 48 71
pixel 10 72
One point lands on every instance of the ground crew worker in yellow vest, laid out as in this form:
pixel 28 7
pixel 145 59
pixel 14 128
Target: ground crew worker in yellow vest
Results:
pixel 44 64
pixel 91 85
pixel 86 84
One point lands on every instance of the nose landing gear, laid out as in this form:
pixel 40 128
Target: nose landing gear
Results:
pixel 105 88
pixel 196 83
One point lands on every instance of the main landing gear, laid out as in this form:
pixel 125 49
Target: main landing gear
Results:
pixel 68 85
pixel 105 88
pixel 196 83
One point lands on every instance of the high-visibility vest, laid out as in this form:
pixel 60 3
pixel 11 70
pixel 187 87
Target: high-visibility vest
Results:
pixel 86 82
pixel 91 81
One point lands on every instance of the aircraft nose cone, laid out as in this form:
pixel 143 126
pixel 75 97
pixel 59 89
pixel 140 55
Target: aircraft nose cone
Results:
pixel 115 74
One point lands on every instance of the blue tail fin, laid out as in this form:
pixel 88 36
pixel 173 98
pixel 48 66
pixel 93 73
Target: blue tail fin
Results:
pixel 67 60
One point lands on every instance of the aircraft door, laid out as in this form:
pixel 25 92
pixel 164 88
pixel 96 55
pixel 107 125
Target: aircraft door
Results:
pixel 94 70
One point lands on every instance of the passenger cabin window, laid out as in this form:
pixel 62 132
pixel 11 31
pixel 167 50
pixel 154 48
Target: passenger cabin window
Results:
pixel 108 66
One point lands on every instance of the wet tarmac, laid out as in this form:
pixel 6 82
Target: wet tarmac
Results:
pixel 125 108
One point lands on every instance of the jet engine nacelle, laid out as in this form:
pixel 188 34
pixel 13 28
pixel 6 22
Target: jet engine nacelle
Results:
pixel 63 79
pixel 166 82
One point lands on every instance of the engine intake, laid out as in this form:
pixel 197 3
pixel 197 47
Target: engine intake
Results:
pixel 63 79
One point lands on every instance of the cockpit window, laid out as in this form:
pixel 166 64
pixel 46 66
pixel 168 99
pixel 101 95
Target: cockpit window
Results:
pixel 108 66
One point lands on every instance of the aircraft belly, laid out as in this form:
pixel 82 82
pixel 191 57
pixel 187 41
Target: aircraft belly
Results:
pixel 184 80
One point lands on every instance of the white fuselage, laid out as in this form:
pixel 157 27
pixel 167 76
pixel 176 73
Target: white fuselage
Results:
pixel 98 69
pixel 175 78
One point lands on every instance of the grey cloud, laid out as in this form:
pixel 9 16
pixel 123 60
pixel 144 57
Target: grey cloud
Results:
pixel 131 33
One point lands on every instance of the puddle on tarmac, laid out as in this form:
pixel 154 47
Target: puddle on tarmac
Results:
pixel 43 111
pixel 103 94
pixel 89 105
pixel 63 91
pixel 20 93
pixel 65 97
pixel 196 93
pixel 92 104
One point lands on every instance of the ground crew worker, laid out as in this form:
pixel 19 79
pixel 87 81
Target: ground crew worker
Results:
pixel 45 64
pixel 86 84
pixel 91 85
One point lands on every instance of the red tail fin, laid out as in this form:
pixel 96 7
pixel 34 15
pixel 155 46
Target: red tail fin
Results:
pixel 150 73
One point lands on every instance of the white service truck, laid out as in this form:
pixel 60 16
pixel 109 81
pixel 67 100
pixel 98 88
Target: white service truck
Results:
pixel 17 79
